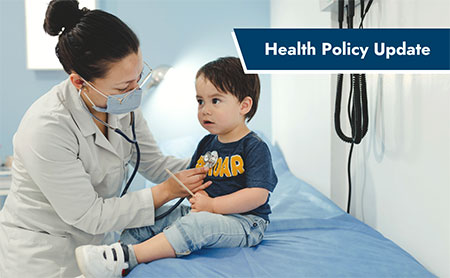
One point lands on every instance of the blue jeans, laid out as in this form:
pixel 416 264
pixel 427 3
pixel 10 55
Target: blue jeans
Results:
pixel 189 231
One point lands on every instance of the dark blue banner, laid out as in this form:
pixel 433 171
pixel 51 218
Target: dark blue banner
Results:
pixel 344 49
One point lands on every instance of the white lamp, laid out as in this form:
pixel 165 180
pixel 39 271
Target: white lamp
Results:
pixel 157 76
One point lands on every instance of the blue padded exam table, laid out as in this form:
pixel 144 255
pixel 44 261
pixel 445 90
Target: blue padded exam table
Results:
pixel 309 236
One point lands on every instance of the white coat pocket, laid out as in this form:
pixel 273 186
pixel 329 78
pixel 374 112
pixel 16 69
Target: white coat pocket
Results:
pixel 34 249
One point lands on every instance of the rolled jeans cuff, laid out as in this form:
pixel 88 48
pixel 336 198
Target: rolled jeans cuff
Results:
pixel 179 240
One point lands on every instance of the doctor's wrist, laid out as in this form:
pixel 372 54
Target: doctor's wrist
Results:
pixel 161 194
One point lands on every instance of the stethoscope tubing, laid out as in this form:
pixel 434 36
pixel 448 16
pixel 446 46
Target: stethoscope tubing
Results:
pixel 138 151
pixel 138 160
pixel 131 141
pixel 136 167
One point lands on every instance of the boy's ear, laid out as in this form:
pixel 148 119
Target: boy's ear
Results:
pixel 246 105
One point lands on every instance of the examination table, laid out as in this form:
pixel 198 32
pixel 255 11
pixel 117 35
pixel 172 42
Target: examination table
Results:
pixel 309 236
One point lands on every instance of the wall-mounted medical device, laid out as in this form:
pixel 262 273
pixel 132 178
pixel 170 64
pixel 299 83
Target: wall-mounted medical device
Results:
pixel 333 5
pixel 357 108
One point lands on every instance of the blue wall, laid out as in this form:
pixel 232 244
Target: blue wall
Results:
pixel 170 32
pixel 19 87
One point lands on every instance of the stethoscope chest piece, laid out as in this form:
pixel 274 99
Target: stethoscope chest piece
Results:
pixel 210 159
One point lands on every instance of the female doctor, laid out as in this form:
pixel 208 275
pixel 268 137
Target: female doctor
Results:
pixel 70 163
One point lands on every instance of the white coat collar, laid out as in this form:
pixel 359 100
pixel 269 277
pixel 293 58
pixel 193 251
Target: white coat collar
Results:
pixel 70 97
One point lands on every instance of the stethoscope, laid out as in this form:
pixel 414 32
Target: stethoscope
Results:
pixel 210 158
pixel 131 141
pixel 138 160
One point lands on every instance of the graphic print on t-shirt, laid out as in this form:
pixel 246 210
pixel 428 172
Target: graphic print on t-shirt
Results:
pixel 230 166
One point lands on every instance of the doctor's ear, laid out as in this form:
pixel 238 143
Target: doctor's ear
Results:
pixel 76 80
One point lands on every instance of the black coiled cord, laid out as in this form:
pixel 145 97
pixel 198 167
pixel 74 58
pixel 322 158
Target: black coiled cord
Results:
pixel 357 107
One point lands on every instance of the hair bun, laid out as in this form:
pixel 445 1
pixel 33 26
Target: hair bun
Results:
pixel 62 14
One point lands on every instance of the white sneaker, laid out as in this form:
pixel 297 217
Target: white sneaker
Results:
pixel 99 261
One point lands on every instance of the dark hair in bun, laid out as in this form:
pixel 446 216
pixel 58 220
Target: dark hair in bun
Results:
pixel 89 41
pixel 62 15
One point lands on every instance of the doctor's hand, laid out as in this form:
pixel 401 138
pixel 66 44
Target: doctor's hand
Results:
pixel 170 189
pixel 192 178
pixel 202 202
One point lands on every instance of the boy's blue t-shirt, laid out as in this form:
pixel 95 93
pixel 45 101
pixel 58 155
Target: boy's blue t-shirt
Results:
pixel 242 164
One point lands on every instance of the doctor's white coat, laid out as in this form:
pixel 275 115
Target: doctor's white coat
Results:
pixel 66 179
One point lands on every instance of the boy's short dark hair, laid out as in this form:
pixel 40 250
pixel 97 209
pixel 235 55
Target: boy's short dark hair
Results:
pixel 227 75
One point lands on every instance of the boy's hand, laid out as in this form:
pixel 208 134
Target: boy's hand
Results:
pixel 202 202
